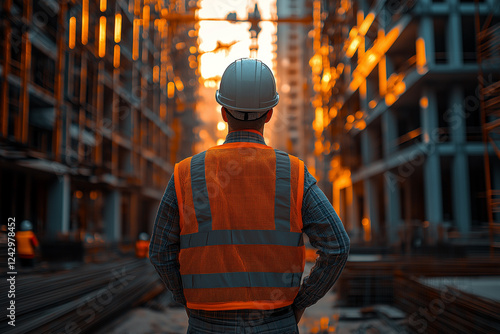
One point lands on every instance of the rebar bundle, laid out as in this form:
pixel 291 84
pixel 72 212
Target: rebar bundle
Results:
pixel 78 300
pixel 445 309
pixel 372 282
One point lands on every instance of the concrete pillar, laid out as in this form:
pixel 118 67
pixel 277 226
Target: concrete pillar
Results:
pixel 112 216
pixel 58 206
pixel 135 219
pixel 355 224
pixel 371 205
pixel 454 35
pixel 366 146
pixel 393 207
pixel 426 31
pixel 408 216
pixel 460 165
pixel 432 165
pixel 389 132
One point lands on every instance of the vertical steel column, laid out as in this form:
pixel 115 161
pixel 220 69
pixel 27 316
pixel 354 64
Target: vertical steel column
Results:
pixel 58 86
pixel 23 123
pixel 426 32
pixel 460 166
pixel 432 166
pixel 391 185
pixel 82 106
pixel 487 171
pixel 4 103
pixel 115 124
pixel 58 206
pixel 112 215
pixel 135 220
pixel 392 207
pixel 100 122
pixel 454 35
pixel 371 204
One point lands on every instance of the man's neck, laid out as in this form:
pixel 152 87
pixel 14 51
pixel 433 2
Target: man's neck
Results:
pixel 261 130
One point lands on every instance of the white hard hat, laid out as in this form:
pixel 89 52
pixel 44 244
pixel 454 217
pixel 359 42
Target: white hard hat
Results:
pixel 143 236
pixel 247 86
pixel 26 225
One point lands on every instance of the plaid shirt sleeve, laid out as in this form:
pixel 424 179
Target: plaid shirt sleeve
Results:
pixel 164 246
pixel 321 224
pixel 326 233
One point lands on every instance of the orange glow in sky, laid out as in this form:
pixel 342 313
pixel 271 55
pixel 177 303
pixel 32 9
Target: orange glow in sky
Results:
pixel 211 32
pixel 213 64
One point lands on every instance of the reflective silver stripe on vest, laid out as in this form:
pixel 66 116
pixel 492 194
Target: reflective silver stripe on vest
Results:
pixel 241 279
pixel 282 192
pixel 199 190
pixel 241 237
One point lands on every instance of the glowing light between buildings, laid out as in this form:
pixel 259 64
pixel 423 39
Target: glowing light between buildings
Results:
pixel 424 102
pixel 118 28
pixel 103 5
pixel 85 22
pixel 116 56
pixel 367 22
pixel 221 126
pixel 170 90
pixel 72 32
pixel 135 39
pixel 102 36
pixel 367 235
pixel 421 58
pixel 145 20
pixel 156 73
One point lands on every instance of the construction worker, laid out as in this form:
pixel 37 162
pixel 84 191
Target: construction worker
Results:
pixel 228 236
pixel 142 246
pixel 26 244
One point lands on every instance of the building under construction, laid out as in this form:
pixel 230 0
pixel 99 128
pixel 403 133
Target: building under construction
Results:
pixel 94 98
pixel 292 127
pixel 400 94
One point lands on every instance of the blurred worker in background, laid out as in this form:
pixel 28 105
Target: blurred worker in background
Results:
pixel 227 239
pixel 142 246
pixel 26 244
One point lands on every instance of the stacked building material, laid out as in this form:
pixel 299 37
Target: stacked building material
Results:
pixel 365 283
pixel 79 300
pixel 445 309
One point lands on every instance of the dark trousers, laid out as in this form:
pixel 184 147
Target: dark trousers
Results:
pixel 279 321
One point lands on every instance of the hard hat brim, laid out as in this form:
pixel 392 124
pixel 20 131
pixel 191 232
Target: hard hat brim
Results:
pixel 230 104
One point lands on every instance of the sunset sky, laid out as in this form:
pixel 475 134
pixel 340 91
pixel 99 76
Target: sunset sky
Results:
pixel 212 65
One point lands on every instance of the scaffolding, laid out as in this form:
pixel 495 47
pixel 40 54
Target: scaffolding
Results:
pixel 403 148
pixel 97 97
pixel 488 56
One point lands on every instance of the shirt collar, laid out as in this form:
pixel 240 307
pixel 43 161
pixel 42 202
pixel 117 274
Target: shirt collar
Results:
pixel 249 136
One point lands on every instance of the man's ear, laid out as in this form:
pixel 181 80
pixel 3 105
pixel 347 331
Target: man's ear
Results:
pixel 224 115
pixel 269 115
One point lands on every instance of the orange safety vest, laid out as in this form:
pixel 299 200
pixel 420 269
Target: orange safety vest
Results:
pixel 142 248
pixel 241 242
pixel 26 241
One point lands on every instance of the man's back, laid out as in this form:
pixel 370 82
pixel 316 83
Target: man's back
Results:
pixel 241 243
